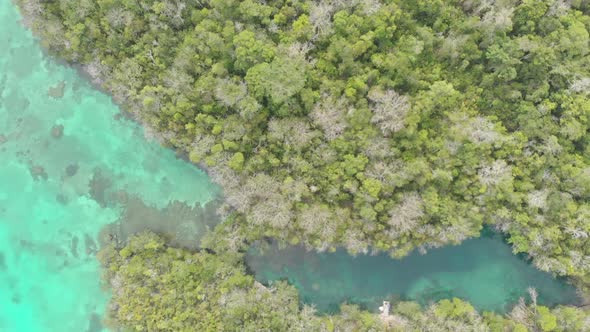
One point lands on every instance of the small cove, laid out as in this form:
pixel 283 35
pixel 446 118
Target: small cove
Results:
pixel 483 271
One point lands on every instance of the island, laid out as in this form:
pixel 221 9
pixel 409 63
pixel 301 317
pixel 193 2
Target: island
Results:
pixel 330 129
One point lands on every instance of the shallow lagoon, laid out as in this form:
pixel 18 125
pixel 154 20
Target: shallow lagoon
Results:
pixel 70 164
pixel 483 271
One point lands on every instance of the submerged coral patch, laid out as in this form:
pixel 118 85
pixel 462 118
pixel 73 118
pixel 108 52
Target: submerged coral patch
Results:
pixel 57 91
pixel 58 189
pixel 180 223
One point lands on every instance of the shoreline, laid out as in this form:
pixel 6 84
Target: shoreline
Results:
pixel 99 85
pixel 126 113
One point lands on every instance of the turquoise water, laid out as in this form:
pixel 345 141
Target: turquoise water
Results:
pixel 69 166
pixel 483 271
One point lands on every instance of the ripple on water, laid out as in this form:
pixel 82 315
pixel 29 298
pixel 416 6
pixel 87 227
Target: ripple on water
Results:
pixel 66 156
pixel 483 271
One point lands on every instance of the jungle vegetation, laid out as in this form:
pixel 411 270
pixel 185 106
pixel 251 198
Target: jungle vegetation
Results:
pixel 387 125
pixel 160 288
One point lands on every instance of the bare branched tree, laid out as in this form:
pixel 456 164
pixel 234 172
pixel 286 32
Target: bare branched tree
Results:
pixel 406 216
pixel 533 294
pixel 96 70
pixel 318 221
pixel 178 80
pixel 330 115
pixel 294 132
pixel 581 85
pixel 32 9
pixel 202 144
pixel 320 16
pixel 389 110
pixel 522 314
pixel 538 198
pixel 478 130
pixel 494 174
pixel 274 211
pixel 355 242
pixel 559 8
pixel 118 17
pixel 229 92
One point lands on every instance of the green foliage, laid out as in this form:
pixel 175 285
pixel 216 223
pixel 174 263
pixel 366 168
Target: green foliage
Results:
pixel 546 320
pixel 159 288
pixel 156 288
pixel 412 122
pixel 454 308
pixel 279 80
pixel 237 161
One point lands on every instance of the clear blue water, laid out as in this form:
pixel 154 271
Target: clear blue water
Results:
pixel 483 271
pixel 59 189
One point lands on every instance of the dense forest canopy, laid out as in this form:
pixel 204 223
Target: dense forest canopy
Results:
pixel 373 125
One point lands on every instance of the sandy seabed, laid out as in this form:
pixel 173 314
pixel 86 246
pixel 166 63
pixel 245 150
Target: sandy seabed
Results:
pixel 66 159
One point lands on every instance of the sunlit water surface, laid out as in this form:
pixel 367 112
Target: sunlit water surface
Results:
pixel 69 165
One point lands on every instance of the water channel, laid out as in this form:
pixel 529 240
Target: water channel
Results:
pixel 483 271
